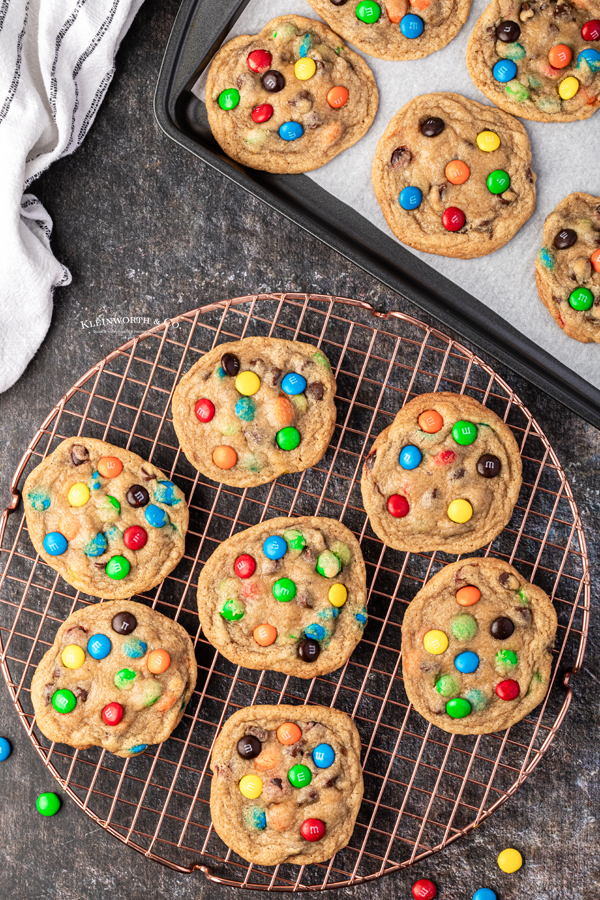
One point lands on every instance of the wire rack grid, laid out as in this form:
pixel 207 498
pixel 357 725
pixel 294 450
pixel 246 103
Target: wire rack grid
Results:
pixel 424 788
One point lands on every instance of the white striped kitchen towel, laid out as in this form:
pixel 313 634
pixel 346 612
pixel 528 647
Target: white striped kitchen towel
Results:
pixel 56 62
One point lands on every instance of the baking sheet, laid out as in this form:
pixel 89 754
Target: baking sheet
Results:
pixel 565 159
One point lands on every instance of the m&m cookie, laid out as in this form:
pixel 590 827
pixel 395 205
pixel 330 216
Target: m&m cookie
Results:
pixel 538 60
pixel 445 475
pixel 118 675
pixel 567 268
pixel 288 595
pixel 287 783
pixel 477 668
pixel 108 521
pixel 395 29
pixel 454 177
pixel 253 409
pixel 290 98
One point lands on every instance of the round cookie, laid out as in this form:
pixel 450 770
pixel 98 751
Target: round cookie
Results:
pixel 253 409
pixel 445 475
pixel 108 521
pixel 118 675
pixel 287 783
pixel 476 647
pixel 395 29
pixel 567 268
pixel 454 177
pixel 288 595
pixel 538 60
pixel 290 98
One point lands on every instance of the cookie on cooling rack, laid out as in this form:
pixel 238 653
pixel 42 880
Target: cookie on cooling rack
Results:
pixel 538 60
pixel 445 475
pixel 454 177
pixel 476 647
pixel 287 783
pixel 395 29
pixel 290 98
pixel 288 595
pixel 118 676
pixel 567 268
pixel 108 521
pixel 253 409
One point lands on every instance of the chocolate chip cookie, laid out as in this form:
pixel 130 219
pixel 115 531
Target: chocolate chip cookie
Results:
pixel 454 177
pixel 254 409
pixel 108 521
pixel 567 268
pixel 118 676
pixel 395 29
pixel 287 783
pixel 476 647
pixel 539 59
pixel 288 595
pixel 445 475
pixel 290 98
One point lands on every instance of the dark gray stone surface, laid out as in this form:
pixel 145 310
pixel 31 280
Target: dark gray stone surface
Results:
pixel 148 230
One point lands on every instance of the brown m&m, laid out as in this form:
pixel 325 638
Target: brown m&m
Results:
pixel 565 239
pixel 432 126
pixel 308 650
pixel 137 496
pixel 488 465
pixel 502 628
pixel 508 32
pixel 124 623
pixel 249 746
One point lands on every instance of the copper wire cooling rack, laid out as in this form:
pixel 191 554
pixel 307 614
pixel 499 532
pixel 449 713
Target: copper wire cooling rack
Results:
pixel 423 788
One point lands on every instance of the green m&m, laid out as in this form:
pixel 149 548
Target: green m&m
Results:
pixel 368 11
pixel 464 627
pixel 328 564
pixel 447 686
pixel 294 539
pixel 581 298
pixel 113 502
pixel 284 590
pixel 64 701
pixel 47 804
pixel 458 708
pixel 232 610
pixel 288 438
pixel 506 659
pixel 498 181
pixel 300 776
pixel 117 568
pixel 229 98
pixel 464 433
pixel 124 679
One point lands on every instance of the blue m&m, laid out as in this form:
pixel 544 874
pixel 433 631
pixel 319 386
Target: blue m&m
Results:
pixel 411 26
pixel 410 457
pixel 5 749
pixel 155 516
pixel 467 662
pixel 504 70
pixel 484 894
pixel 323 756
pixel 293 383
pixel 274 547
pixel 591 57
pixel 99 646
pixel 55 543
pixel 291 131
pixel 410 197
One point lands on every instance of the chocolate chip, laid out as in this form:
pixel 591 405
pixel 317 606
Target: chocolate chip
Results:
pixel 561 9
pixel 529 174
pixel 273 81
pixel 488 465
pixel 275 375
pixel 429 666
pixel 248 747
pixel 331 781
pixel 313 120
pixel 509 581
pixel 79 454
pixel 146 475
pixel 308 555
pixel 434 493
pixel 303 599
pixel 49 693
pixel 303 102
pixel 124 623
pixel 501 628
pixel 57 673
pixel 508 32
pixel 230 362
pixel 277 782
pixel 315 390
pixel 258 732
pixel 565 238
pixel 224 772
pixel 338 2
pixel 269 566
pixel 370 460
pixel 308 650
pixel 137 496
pixel 432 126
pixel 401 157
pixel 524 613
pixel 80 694
pixel 76 628
pixel 460 473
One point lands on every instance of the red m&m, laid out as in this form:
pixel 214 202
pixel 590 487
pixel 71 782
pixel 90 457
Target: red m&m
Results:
pixel 453 218
pixel 135 537
pixel 424 889
pixel 262 113
pixel 312 829
pixel 244 566
pixel 112 714
pixel 397 506
pixel 508 690
pixel 259 60
pixel 591 30
pixel 204 409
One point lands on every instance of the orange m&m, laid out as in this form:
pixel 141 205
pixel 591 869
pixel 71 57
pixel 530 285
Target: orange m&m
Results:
pixel 158 661
pixel 595 260
pixel 288 733
pixel 560 56
pixel 468 595
pixel 110 466
pixel 264 635
pixel 430 421
pixel 224 457
pixel 337 97
pixel 457 171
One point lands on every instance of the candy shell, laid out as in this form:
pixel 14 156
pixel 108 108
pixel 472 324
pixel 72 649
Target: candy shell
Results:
pixel 368 11
pixel 581 299
pixel 411 26
pixel 424 889
pixel 55 543
pixel 265 634
pixel 468 595
pixel 99 646
pixel 504 70
pixel 293 383
pixel 508 690
pixel 488 141
pixel 229 98
pixel 338 594
pixel 568 87
pixel 312 829
pixel 244 566
pixel 288 438
pixel 323 756
pixel 73 656
pixel 262 113
pixel 337 97
pixel 560 56
pixel 112 714
pixel 283 411
pixel 247 383
pixel 251 786
pixel 204 410
pixel 591 30
pixel 410 197
pixel 135 537
pixel 291 131
pixel 47 804
pixel 305 68
pixel 410 457
pixel 259 61
pixel 274 547
pixel 595 260
pixel 460 511
pixel 299 776
pixel 397 506
pixel 5 749
pixel 117 568
pixel 453 218
pixel 224 457
pixel 484 894
pixel 288 733
pixel 430 421
pixel 79 494
pixel 457 171
pixel 110 466
pixel 510 860
pixel 467 662
pixel 64 701
pixel 284 590
pixel 435 642
pixel 458 708
pixel 158 661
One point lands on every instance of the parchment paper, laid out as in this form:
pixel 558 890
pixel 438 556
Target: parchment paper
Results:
pixel 566 158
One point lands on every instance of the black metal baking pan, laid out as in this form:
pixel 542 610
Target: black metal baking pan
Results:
pixel 198 31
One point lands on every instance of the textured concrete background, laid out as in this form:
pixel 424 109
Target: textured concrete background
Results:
pixel 148 230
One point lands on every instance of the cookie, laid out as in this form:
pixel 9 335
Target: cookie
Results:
pixel 118 675
pixel 395 29
pixel 254 409
pixel 538 60
pixel 290 98
pixel 454 177
pixel 105 519
pixel 567 268
pixel 287 783
pixel 288 595
pixel 445 475
pixel 476 647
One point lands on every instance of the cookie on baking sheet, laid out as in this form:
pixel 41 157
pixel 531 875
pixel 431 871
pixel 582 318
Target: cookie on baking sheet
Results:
pixel 108 521
pixel 567 268
pixel 445 475
pixel 253 409
pixel 454 177
pixel 288 595
pixel 290 98
pixel 118 676
pixel 538 60
pixel 395 29
pixel 287 783
pixel 476 647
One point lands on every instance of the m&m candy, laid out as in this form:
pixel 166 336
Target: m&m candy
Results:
pixel 134 648
pixel 581 298
pixel 249 746
pixel 135 537
pixel 560 56
pixel 265 635
pixel 328 564
pixel 424 889
pixel 460 511
pixel 73 656
pixel 112 714
pixel 435 642
pixel 467 662
pixel 55 543
pixel 591 57
pixel 453 218
pixel 468 595
pixel 230 363
pixel 262 113
pixel 484 894
pixel 308 650
pixel 338 594
pixel 312 829
pixel 205 410
pixel 305 68
pixel 224 457
pixel 259 61
pixel 410 457
pixel 273 81
pixel 368 11
pixel 244 566
pixel 5 749
pixel 47 804
pixel 247 383
pixel 337 97
pixel 397 506
pixel 488 141
pixel 464 433
pixel 288 733
pixel 155 516
pixel 508 32
pixel 458 708
pixel 117 568
pixel 510 860
pixel 284 590
pixel 591 30
pixel 293 383
pixel 498 181
pixel 595 260
pixel 508 690
pixel 291 131
pixel 299 776
pixel 124 623
pixel 274 547
pixel 110 466
pixel 457 171
pixel 124 679
pixel 138 496
pixel 504 70
pixel 99 646
pixel 251 786
pixel 411 26
pixel 64 701
pixel 232 610
pixel 430 421
pixel 79 494
pixel 288 438
pixel 158 661
pixel 568 88
pixel 502 628
pixel 229 98
pixel 410 197
pixel 323 756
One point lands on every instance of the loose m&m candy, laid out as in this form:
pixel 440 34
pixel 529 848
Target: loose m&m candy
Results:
pixel 5 749
pixel 47 804
pixel 424 889
pixel 510 860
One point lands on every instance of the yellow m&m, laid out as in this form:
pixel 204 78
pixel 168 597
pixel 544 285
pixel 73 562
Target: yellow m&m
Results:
pixel 251 786
pixel 460 511
pixel 79 494
pixel 435 642
pixel 568 88
pixel 247 383
pixel 488 141
pixel 337 594
pixel 73 657
pixel 510 860
pixel 305 68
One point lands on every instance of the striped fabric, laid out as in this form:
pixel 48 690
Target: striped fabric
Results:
pixel 56 62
